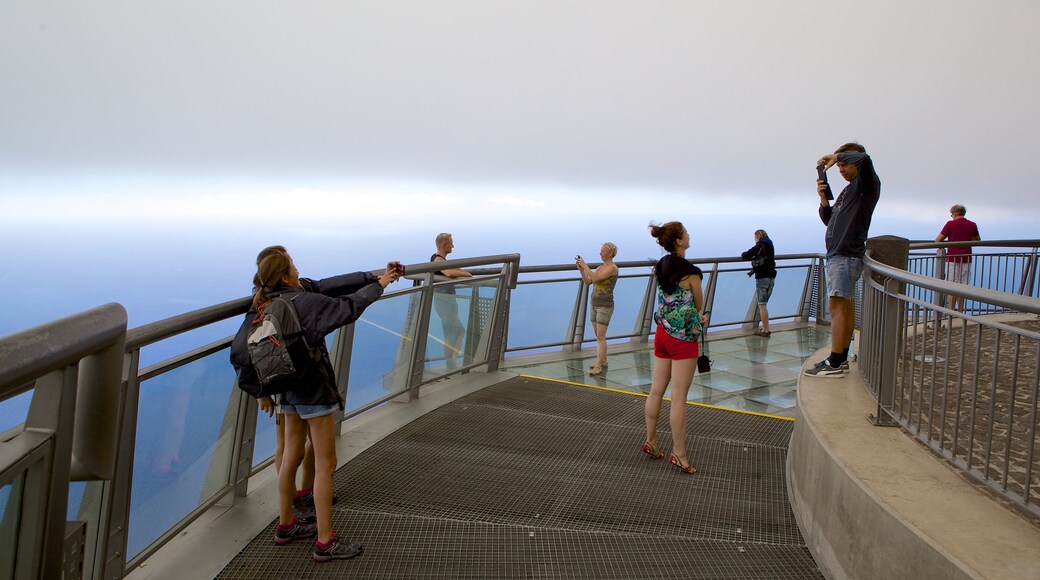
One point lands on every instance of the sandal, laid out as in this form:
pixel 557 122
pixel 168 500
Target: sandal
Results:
pixel 651 451
pixel 686 468
pixel 596 370
pixel 602 366
pixel 763 333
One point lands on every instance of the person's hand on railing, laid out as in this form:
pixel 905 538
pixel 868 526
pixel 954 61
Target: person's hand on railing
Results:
pixel 394 271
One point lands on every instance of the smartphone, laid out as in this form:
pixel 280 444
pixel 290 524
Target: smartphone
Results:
pixel 821 172
pixel 400 269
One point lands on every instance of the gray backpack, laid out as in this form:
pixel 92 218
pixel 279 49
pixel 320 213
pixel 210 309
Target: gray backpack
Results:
pixel 275 329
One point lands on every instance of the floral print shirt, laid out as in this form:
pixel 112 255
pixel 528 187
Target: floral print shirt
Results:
pixel 676 311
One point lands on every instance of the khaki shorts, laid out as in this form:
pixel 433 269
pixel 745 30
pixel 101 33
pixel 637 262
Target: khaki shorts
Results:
pixel 602 314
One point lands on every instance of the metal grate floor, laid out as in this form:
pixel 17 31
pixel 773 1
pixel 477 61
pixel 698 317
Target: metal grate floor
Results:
pixel 535 479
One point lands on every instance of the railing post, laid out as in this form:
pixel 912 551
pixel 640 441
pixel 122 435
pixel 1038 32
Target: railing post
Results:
pixel 577 323
pixel 498 321
pixel 112 536
pixel 417 365
pixel 892 251
pixel 805 300
pixel 53 405
pixel 245 440
pixel 709 294
pixel 644 320
pixel 823 313
pixel 342 349
pixel 1028 275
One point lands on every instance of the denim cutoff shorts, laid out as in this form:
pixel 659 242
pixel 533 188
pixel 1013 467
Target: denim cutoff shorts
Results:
pixel 764 289
pixel 602 314
pixel 842 274
pixel 307 411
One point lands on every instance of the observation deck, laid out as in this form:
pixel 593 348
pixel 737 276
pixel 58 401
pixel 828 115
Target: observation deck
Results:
pixel 501 457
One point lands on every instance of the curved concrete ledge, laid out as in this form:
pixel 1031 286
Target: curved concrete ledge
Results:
pixel 872 503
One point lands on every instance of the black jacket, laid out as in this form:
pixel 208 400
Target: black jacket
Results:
pixel 322 306
pixel 763 248
pixel 848 220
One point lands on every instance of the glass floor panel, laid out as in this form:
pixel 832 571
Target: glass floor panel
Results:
pixel 749 373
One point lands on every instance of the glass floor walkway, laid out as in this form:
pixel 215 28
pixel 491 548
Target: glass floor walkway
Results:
pixel 749 373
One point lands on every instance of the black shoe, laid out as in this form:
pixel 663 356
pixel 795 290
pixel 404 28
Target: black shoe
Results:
pixel 337 550
pixel 297 531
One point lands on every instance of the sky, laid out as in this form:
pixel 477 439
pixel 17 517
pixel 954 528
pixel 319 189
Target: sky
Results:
pixel 161 122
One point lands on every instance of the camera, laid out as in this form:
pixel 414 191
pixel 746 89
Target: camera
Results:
pixel 821 172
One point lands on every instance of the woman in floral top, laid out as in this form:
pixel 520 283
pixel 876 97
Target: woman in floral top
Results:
pixel 679 306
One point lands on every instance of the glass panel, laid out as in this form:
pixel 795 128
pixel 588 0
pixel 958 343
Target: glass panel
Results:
pixel 10 519
pixel 382 349
pixel 266 438
pixel 539 313
pixel 733 296
pixel 13 411
pixel 459 327
pixel 787 293
pixel 628 297
pixel 185 439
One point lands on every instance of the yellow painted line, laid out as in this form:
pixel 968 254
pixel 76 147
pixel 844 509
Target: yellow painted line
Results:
pixel 612 390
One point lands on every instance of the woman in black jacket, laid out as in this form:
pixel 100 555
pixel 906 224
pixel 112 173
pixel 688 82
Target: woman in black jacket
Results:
pixel 322 307
pixel 763 267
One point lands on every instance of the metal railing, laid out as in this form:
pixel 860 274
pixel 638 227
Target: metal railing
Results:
pixel 70 434
pixel 396 348
pixel 963 383
pixel 105 398
pixel 800 277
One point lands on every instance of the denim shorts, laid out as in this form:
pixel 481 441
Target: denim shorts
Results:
pixel 842 274
pixel 764 289
pixel 307 411
pixel 602 314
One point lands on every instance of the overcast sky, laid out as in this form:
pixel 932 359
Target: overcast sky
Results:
pixel 527 101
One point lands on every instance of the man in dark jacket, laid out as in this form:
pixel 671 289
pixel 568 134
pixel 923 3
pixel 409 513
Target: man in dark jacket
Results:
pixel 847 224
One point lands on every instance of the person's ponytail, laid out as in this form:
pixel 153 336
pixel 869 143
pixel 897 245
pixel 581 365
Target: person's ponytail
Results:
pixel 271 272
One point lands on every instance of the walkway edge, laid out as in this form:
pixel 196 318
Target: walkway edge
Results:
pixel 872 503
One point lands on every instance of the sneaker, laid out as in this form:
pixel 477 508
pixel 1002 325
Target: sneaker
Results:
pixel 303 509
pixel 825 370
pixel 297 531
pixel 845 367
pixel 336 550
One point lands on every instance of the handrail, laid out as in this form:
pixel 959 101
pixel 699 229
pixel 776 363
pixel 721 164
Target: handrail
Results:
pixel 1012 301
pixel 162 329
pixel 638 263
pixel 29 354
pixel 938 372
pixel 978 244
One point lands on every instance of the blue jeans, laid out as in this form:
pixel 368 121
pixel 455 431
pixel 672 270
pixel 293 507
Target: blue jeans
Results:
pixel 307 411
pixel 764 289
pixel 842 274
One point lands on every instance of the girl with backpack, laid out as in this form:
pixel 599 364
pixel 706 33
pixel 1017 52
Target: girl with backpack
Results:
pixel 321 307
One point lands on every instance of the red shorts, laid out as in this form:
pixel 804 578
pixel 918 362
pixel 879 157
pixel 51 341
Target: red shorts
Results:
pixel 667 346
